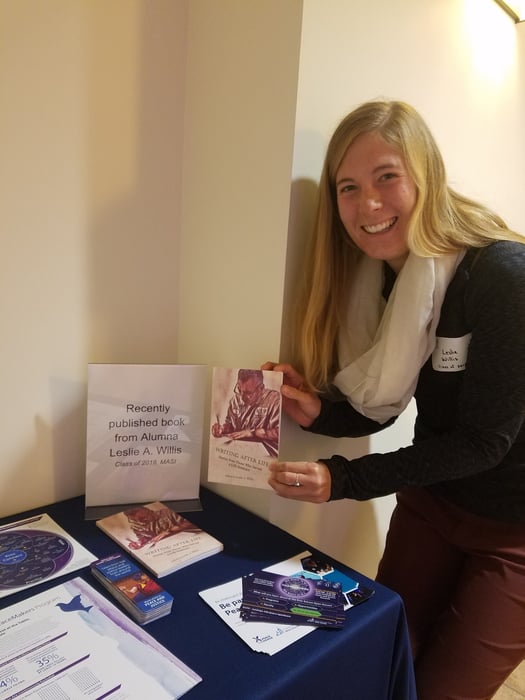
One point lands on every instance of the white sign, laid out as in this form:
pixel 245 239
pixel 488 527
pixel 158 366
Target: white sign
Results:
pixel 144 433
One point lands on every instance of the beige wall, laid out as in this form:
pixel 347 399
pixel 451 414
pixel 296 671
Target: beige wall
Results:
pixel 460 63
pixel 242 69
pixel 159 159
pixel 90 136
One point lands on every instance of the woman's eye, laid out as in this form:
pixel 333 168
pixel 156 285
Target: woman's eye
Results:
pixel 388 176
pixel 347 188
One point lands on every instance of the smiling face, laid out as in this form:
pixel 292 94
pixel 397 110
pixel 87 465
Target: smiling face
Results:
pixel 375 198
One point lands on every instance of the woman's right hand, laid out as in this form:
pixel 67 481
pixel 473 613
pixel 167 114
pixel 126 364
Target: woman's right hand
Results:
pixel 303 406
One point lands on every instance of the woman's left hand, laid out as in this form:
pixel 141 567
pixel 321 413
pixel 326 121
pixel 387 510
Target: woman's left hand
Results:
pixel 302 481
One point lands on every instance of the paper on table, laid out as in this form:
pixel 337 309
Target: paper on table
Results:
pixel 37 549
pixel 264 637
pixel 70 643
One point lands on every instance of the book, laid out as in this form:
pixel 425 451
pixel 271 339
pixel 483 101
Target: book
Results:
pixel 142 597
pixel 244 426
pixel 37 549
pixel 71 642
pixel 144 435
pixel 159 538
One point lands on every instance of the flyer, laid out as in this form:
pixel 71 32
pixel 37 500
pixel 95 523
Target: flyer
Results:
pixel 37 549
pixel 271 637
pixel 71 643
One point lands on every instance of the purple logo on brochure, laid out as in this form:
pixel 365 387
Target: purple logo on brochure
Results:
pixel 294 587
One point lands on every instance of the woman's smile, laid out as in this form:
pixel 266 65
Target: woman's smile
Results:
pixel 375 198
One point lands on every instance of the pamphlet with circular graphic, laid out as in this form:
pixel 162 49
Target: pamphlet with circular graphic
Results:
pixel 37 549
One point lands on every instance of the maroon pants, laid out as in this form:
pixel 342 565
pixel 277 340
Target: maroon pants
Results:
pixel 462 579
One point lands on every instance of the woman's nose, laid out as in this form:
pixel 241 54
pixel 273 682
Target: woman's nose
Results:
pixel 371 200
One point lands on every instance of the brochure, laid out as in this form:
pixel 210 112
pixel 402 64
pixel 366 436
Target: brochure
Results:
pixel 159 538
pixel 71 643
pixel 144 435
pixel 245 426
pixel 142 597
pixel 271 637
pixel 295 599
pixel 37 549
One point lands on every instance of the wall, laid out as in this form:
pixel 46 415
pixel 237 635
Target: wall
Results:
pixel 460 63
pixel 242 69
pixel 91 137
pixel 142 225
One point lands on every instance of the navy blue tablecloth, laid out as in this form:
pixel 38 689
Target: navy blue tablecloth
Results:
pixel 369 659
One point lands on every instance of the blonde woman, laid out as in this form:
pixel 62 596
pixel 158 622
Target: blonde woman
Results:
pixel 413 290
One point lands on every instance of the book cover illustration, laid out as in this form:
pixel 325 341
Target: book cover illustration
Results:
pixel 144 433
pixel 37 549
pixel 245 425
pixel 158 537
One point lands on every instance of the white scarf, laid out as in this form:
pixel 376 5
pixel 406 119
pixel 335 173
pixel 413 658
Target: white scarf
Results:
pixel 384 345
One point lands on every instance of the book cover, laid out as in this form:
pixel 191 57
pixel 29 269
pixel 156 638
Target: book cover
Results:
pixel 144 434
pixel 37 549
pixel 159 538
pixel 245 426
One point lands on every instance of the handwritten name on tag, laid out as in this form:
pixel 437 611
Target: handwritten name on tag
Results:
pixel 450 354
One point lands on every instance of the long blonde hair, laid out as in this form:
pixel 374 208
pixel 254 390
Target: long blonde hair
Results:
pixel 442 222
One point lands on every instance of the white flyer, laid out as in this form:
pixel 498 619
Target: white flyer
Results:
pixel 71 643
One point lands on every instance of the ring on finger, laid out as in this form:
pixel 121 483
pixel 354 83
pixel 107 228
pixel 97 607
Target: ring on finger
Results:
pixel 297 482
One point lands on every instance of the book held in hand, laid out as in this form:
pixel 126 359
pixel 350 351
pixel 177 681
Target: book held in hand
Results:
pixel 159 538
pixel 245 426
pixel 142 597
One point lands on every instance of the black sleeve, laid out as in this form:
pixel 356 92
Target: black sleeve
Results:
pixel 488 412
pixel 340 419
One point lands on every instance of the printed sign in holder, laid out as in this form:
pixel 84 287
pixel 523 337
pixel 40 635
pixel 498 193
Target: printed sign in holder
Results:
pixel 144 436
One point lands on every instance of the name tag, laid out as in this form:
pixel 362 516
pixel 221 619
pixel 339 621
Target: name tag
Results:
pixel 450 354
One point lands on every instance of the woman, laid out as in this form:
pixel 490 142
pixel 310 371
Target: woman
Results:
pixel 415 290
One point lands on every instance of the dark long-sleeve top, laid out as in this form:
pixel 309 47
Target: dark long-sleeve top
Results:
pixel 469 435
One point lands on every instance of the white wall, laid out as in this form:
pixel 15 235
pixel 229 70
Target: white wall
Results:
pixel 91 138
pixel 242 69
pixel 460 63
pixel 141 223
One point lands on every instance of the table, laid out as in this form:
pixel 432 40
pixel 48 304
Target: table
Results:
pixel 369 659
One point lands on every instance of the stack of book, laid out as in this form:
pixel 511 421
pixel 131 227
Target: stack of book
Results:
pixel 133 588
